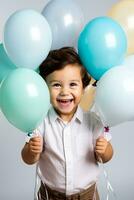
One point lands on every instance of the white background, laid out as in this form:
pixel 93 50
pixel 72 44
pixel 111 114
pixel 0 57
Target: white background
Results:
pixel 16 178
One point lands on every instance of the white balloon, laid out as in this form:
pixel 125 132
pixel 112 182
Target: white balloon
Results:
pixel 66 21
pixel 129 61
pixel 115 96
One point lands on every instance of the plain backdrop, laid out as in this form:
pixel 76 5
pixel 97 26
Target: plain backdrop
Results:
pixel 17 179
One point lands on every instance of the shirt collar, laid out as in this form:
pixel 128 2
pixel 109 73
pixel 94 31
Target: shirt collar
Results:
pixel 78 115
pixel 53 116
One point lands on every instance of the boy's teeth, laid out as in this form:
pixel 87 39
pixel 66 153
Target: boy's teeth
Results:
pixel 64 101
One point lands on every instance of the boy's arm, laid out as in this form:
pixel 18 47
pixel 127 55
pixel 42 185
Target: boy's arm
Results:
pixel 32 150
pixel 103 150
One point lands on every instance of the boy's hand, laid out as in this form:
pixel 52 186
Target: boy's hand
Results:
pixel 35 145
pixel 101 146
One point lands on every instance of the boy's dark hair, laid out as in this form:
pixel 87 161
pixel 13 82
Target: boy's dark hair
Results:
pixel 58 59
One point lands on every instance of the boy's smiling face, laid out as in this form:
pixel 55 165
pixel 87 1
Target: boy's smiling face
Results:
pixel 66 90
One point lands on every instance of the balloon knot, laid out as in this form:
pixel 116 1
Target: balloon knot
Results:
pixel 95 84
pixel 106 129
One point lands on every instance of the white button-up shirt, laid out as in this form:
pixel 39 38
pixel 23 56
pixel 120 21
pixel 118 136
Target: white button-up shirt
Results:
pixel 67 163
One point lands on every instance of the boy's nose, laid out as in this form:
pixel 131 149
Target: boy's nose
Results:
pixel 64 91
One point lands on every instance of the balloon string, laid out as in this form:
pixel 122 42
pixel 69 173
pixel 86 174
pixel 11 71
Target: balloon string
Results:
pixel 37 196
pixel 108 184
pixel 95 190
pixel 36 184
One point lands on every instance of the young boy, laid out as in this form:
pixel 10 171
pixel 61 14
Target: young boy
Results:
pixel 72 140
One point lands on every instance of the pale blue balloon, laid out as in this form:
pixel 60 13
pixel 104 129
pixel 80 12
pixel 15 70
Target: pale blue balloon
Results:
pixel 6 65
pixel 129 62
pixel 27 38
pixel 115 96
pixel 102 45
pixel 66 20
pixel 24 98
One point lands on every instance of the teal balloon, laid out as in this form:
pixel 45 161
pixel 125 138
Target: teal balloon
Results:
pixel 25 99
pixel 27 38
pixel 102 45
pixel 6 65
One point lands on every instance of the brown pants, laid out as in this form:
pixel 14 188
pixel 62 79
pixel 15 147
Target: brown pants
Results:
pixel 87 194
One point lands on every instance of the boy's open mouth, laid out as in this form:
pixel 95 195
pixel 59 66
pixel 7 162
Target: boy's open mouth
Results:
pixel 64 100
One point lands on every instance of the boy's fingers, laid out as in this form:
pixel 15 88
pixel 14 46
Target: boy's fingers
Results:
pixel 35 147
pixel 99 152
pixel 33 144
pixel 34 139
pixel 100 142
pixel 36 151
pixel 101 139
pixel 99 147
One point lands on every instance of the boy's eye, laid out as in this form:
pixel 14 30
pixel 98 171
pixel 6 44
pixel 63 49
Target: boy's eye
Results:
pixel 57 85
pixel 73 84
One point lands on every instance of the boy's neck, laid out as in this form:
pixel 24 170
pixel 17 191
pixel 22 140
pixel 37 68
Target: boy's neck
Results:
pixel 66 117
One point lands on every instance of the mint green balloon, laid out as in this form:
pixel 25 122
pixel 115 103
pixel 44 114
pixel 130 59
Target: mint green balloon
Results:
pixel 25 99
pixel 6 65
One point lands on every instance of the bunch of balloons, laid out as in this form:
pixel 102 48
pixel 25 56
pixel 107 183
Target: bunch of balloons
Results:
pixel 28 37
pixel 24 96
pixel 106 45
pixel 106 48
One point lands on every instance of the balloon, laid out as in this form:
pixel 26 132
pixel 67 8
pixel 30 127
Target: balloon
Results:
pixel 102 45
pixel 6 65
pixel 123 13
pixel 129 62
pixel 27 38
pixel 115 96
pixel 66 21
pixel 88 97
pixel 24 99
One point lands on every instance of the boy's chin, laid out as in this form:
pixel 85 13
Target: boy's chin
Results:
pixel 68 110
